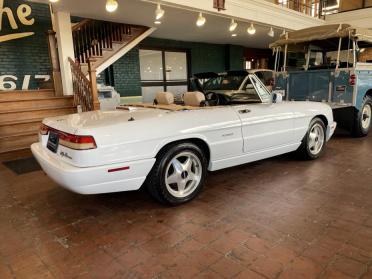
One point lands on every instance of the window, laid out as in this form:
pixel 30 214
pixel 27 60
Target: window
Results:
pixel 163 70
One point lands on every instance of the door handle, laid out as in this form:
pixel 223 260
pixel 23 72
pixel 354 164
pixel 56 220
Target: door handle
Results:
pixel 244 111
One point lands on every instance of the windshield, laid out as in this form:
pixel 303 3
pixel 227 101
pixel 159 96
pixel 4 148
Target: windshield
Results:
pixel 224 82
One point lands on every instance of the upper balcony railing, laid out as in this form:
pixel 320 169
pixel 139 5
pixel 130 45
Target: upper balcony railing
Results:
pixel 321 8
pixel 309 7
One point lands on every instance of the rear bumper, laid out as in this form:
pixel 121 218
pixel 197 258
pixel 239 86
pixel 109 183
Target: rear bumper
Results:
pixel 92 180
pixel 331 130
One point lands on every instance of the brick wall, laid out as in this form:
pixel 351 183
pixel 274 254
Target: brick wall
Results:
pixel 204 58
pixel 127 74
pixel 30 55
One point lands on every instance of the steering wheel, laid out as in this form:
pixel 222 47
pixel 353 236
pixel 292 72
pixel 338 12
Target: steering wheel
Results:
pixel 212 98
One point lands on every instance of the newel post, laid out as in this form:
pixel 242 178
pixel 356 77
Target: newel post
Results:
pixel 53 54
pixel 93 83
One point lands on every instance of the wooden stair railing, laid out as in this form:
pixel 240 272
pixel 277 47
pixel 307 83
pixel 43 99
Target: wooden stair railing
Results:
pixel 92 37
pixel 94 43
pixel 85 90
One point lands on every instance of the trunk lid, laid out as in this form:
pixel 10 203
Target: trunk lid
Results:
pixel 81 122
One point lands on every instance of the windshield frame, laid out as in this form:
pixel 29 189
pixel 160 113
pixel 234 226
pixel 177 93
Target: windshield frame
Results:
pixel 224 76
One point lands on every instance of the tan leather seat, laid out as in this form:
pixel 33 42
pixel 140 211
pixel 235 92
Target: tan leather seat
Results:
pixel 194 99
pixel 164 98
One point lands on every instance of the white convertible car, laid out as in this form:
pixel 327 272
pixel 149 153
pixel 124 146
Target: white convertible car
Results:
pixel 170 147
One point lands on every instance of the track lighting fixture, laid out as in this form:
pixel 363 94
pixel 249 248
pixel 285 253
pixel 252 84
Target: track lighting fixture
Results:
pixel 201 20
pixel 233 25
pixel 159 12
pixel 251 29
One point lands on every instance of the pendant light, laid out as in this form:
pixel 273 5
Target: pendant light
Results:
pixel 111 6
pixel 271 33
pixel 233 25
pixel 159 12
pixel 201 20
pixel 251 30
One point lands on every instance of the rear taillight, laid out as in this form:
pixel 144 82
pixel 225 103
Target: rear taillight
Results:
pixel 352 80
pixel 77 142
pixel 44 130
pixel 71 141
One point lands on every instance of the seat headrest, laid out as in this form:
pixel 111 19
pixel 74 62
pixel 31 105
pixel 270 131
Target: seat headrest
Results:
pixel 194 99
pixel 164 98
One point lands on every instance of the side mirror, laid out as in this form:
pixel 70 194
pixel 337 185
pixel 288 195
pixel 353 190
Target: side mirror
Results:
pixel 277 97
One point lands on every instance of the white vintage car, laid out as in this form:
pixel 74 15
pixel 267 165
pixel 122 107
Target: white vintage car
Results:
pixel 170 147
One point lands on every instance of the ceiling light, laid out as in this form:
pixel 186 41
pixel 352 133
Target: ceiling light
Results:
pixel 111 6
pixel 159 12
pixel 233 25
pixel 157 22
pixel 201 20
pixel 251 30
pixel 53 1
pixel 234 35
pixel 271 32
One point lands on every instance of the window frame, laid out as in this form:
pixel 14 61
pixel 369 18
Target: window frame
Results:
pixel 164 82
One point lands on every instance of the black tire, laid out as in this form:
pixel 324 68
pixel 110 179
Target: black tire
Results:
pixel 156 180
pixel 305 150
pixel 359 130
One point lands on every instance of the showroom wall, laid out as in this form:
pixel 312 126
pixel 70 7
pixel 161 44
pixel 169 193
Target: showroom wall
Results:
pixel 25 63
pixel 24 55
pixel 203 58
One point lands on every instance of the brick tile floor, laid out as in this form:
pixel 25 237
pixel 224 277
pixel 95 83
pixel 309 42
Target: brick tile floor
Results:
pixel 278 218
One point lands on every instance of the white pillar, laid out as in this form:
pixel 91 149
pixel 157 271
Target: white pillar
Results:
pixel 65 49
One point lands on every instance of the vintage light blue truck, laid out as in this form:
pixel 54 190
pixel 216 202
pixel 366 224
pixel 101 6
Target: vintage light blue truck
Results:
pixel 326 64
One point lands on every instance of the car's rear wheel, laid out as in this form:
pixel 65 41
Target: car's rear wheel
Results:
pixel 363 119
pixel 314 142
pixel 178 174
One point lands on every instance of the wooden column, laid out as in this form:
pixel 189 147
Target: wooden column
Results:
pixel 93 83
pixel 56 70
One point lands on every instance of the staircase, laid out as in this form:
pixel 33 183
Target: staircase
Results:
pixel 97 45
pixel 102 42
pixel 21 113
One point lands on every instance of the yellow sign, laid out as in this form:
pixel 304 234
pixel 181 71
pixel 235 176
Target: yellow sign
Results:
pixel 23 13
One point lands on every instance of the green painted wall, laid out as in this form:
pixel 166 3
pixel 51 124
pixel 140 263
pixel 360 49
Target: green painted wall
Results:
pixel 203 57
pixel 30 55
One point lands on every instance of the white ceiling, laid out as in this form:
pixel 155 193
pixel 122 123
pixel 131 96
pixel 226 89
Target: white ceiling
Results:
pixel 177 24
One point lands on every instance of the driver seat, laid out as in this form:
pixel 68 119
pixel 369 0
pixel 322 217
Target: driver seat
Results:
pixel 194 99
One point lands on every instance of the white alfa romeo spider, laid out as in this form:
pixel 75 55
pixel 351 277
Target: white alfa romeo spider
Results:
pixel 169 148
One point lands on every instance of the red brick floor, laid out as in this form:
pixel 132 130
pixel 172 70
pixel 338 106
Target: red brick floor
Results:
pixel 278 218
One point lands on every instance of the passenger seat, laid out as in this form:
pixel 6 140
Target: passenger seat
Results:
pixel 194 99
pixel 164 98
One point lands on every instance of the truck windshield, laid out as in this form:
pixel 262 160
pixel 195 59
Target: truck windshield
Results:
pixel 322 56
pixel 319 59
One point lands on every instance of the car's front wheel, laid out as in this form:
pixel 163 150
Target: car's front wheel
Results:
pixel 314 142
pixel 178 174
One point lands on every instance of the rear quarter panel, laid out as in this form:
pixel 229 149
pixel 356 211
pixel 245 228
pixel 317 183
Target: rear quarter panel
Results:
pixel 305 112
pixel 127 141
pixel 364 82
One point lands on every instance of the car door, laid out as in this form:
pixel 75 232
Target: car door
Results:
pixel 265 125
